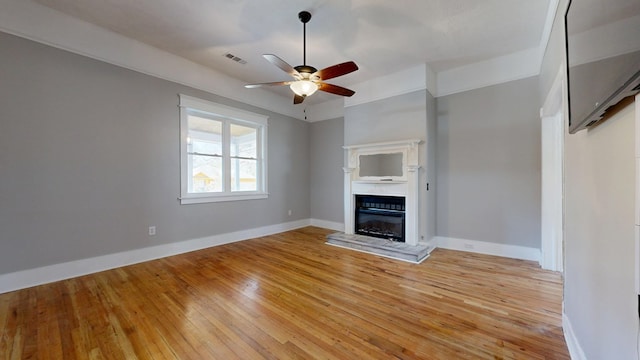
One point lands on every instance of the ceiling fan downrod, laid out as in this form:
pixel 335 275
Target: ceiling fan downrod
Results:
pixel 304 16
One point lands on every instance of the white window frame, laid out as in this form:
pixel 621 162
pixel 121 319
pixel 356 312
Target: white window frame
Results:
pixel 228 115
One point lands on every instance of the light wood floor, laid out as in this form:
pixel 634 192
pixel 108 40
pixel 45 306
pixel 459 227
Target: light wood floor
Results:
pixel 290 296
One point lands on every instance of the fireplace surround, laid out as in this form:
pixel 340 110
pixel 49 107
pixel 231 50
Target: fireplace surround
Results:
pixel 392 171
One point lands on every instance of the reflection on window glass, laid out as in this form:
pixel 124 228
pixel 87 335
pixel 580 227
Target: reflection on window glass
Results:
pixel 206 175
pixel 243 175
pixel 204 154
pixel 244 162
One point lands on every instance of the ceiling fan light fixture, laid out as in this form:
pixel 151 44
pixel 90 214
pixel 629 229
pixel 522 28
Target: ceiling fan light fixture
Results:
pixel 304 87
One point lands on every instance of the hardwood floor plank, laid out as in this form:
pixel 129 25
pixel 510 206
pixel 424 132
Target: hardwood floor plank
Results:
pixel 291 296
pixel 8 325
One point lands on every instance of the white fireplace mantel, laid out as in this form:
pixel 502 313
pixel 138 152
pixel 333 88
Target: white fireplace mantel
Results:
pixel 402 185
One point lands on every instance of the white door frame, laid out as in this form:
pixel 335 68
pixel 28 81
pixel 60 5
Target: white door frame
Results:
pixel 552 117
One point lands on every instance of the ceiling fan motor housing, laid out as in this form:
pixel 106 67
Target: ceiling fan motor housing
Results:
pixel 306 71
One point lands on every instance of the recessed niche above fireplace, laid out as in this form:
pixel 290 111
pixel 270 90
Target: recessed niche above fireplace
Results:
pixel 380 166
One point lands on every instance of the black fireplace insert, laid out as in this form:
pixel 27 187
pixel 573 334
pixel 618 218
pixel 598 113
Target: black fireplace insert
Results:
pixel 380 216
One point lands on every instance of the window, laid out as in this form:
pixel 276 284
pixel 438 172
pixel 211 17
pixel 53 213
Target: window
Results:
pixel 222 152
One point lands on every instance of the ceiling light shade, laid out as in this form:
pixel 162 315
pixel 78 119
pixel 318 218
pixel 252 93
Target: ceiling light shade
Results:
pixel 304 87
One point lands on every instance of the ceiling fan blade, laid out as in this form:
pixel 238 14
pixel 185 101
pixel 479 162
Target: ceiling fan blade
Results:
pixel 282 65
pixel 277 83
pixel 335 89
pixel 297 99
pixel 337 70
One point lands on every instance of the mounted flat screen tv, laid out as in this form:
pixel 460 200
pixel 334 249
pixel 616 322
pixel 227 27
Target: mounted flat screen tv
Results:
pixel 603 54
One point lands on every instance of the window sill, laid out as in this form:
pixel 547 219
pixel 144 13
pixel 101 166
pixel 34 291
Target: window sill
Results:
pixel 221 198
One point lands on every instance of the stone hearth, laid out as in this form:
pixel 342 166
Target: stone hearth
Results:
pixel 387 248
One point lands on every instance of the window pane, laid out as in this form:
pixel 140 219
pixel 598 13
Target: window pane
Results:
pixel 205 135
pixel 243 175
pixel 204 154
pixel 204 147
pixel 205 174
pixel 243 141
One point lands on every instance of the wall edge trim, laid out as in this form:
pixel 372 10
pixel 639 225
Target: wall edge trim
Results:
pixel 575 350
pixel 331 225
pixel 42 275
pixel 488 248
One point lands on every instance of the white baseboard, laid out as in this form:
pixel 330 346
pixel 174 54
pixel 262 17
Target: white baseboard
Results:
pixel 575 350
pixel 483 247
pixel 46 274
pixel 331 225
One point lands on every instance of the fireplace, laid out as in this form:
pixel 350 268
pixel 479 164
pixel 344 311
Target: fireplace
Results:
pixel 383 170
pixel 380 216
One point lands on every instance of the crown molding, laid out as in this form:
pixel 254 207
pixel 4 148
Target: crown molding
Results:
pixel 498 70
pixel 382 87
pixel 44 25
pixel 552 11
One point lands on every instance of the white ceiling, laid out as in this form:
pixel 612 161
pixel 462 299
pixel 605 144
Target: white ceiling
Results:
pixel 382 37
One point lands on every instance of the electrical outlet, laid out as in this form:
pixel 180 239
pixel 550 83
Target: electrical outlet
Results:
pixel 289 212
pixel 152 230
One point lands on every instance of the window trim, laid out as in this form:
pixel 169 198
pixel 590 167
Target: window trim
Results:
pixel 230 115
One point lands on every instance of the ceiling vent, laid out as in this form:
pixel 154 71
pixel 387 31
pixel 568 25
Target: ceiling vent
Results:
pixel 235 58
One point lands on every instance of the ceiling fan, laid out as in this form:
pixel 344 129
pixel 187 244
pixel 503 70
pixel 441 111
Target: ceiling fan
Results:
pixel 308 79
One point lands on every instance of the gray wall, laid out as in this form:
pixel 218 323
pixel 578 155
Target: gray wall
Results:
pixel 400 117
pixel 488 164
pixel 89 159
pixel 599 254
pixel 326 173
pixel 599 297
